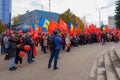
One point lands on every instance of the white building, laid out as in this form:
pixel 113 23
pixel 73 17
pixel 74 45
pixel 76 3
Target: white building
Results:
pixel 111 22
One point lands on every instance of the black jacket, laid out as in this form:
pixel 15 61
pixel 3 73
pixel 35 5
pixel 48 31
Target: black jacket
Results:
pixel 12 48
pixel 28 41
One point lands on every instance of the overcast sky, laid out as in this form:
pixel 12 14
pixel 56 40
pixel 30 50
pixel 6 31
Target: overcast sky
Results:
pixel 79 7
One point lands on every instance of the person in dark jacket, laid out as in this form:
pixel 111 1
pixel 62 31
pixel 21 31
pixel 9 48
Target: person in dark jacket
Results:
pixel 103 37
pixel 116 37
pixel 55 51
pixel 74 40
pixel 41 42
pixel 12 53
pixel 63 42
pixel 18 59
pixel 2 44
pixel 29 41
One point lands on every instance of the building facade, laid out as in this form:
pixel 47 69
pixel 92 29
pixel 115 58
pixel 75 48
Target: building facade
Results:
pixel 111 22
pixel 5 11
pixel 1 9
pixel 33 17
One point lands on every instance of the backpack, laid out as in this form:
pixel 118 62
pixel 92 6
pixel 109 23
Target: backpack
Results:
pixel 52 44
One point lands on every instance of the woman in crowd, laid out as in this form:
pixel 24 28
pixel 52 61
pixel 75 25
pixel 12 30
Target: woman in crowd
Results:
pixel 45 43
pixel 68 42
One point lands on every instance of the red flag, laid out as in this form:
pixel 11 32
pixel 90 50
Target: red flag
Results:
pixel 78 30
pixel 92 28
pixel 31 30
pixel 53 25
pixel 98 30
pixel 34 51
pixel 114 30
pixel 35 35
pixel 39 29
pixel 9 31
pixel 86 29
pixel 107 29
pixel 63 26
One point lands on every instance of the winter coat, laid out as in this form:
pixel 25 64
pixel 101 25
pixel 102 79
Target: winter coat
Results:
pixel 12 48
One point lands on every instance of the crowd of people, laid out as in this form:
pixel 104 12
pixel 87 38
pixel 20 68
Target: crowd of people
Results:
pixel 13 44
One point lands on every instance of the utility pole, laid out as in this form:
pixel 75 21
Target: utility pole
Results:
pixel 49 5
pixel 99 11
pixel 42 7
pixel 99 17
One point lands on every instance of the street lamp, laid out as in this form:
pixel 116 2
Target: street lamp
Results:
pixel 42 7
pixel 99 10
pixel 49 5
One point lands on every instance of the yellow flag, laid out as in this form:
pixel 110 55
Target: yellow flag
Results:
pixel 46 24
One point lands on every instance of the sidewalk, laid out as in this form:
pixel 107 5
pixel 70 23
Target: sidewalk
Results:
pixel 75 65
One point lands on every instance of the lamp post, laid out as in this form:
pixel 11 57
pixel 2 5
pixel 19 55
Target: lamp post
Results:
pixel 42 7
pixel 99 11
pixel 49 5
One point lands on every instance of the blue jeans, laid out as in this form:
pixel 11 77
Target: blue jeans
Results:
pixel 116 40
pixel 29 53
pixel 54 54
pixel 11 62
pixel 2 48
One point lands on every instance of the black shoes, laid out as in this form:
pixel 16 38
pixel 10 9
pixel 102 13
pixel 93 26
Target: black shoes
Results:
pixel 13 68
pixel 31 61
pixel 45 52
pixel 49 67
pixel 55 68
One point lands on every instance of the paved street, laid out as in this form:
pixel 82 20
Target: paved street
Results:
pixel 75 65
